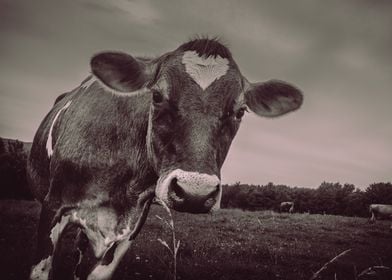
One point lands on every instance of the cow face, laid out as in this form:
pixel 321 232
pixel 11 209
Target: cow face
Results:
pixel 198 98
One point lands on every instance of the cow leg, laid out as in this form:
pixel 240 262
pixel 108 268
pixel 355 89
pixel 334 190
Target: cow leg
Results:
pixel 66 254
pixel 107 266
pixel 113 254
pixel 82 245
pixel 82 257
pixel 87 260
pixel 43 258
pixel 373 217
pixel 48 235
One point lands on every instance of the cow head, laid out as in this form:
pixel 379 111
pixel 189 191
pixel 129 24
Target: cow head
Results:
pixel 198 99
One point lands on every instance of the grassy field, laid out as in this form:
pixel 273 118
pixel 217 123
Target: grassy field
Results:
pixel 230 244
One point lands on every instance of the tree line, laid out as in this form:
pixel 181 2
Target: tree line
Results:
pixel 13 179
pixel 328 198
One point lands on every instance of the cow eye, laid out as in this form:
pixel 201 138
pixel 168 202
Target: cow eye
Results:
pixel 157 97
pixel 240 113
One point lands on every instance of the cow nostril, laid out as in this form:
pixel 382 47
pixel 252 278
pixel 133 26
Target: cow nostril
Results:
pixel 178 191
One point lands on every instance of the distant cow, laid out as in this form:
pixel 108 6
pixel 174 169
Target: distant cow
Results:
pixel 287 206
pixel 380 211
pixel 138 128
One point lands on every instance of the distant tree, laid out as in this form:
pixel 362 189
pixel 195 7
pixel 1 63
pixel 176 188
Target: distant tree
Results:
pixel 235 196
pixel 342 198
pixel 326 198
pixel 242 198
pixel 259 199
pixel 229 194
pixel 356 204
pixel 2 146
pixel 278 194
pixel 330 198
pixel 13 171
pixel 303 200
pixel 380 193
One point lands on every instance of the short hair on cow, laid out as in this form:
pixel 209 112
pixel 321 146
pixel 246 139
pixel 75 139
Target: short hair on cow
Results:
pixel 206 47
pixel 137 129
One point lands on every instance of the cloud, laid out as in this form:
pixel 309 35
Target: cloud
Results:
pixel 141 12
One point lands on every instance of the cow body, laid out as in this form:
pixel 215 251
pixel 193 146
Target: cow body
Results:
pixel 94 163
pixel 138 128
pixel 380 211
pixel 287 206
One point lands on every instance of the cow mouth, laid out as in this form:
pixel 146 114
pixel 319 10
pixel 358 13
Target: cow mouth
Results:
pixel 189 191
pixel 182 201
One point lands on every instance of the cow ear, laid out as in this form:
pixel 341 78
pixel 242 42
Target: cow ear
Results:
pixel 273 98
pixel 120 71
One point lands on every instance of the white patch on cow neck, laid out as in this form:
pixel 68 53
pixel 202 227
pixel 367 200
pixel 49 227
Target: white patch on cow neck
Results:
pixel 105 272
pixel 93 233
pixel 41 270
pixel 58 229
pixel 49 142
pixel 204 71
pixel 100 231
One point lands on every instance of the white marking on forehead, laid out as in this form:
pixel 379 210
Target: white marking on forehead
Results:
pixel 49 142
pixel 204 71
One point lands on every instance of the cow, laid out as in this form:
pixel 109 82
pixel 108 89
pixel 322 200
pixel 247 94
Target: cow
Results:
pixel 287 206
pixel 380 211
pixel 134 130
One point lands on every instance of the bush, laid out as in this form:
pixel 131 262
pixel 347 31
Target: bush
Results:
pixel 13 159
pixel 328 198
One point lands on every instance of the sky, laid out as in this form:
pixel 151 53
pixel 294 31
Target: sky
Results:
pixel 337 52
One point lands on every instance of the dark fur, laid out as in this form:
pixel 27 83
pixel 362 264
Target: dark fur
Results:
pixel 94 158
pixel 206 47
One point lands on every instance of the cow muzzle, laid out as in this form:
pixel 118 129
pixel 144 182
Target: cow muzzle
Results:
pixel 191 192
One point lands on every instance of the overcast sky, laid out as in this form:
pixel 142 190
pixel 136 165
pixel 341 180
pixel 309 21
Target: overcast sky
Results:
pixel 338 52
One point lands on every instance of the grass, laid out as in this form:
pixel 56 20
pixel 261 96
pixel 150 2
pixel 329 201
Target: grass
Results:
pixel 169 223
pixel 231 244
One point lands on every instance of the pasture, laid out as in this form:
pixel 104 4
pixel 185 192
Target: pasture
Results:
pixel 231 244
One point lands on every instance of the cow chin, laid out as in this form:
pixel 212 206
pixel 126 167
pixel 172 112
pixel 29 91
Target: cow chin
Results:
pixel 191 192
